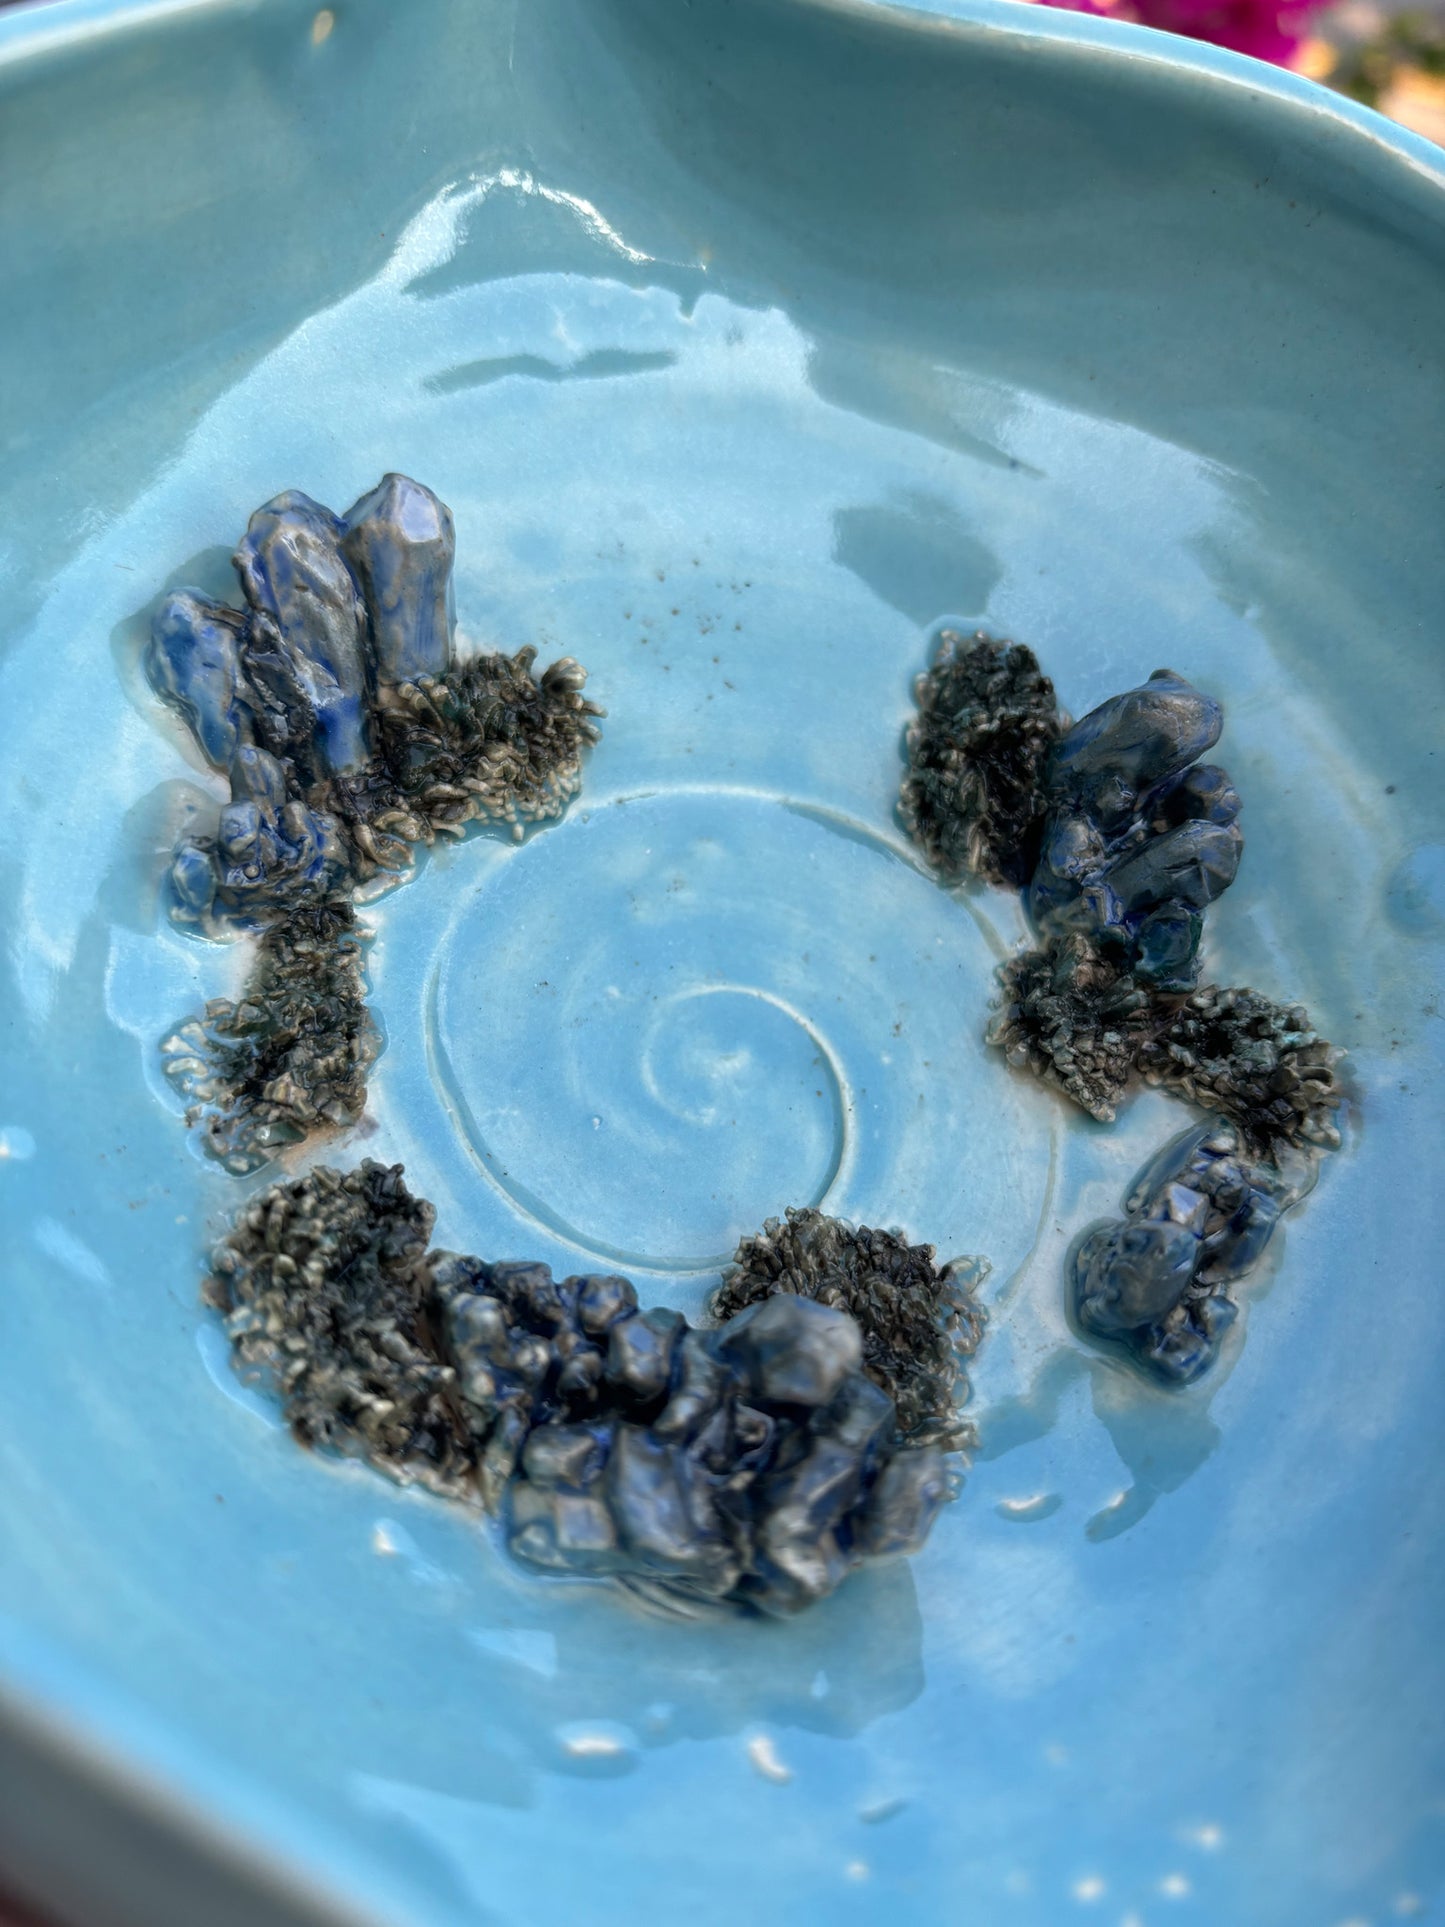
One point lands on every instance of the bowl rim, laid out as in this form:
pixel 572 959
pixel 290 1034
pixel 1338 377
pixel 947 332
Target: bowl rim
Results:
pixel 1127 43
pixel 33 28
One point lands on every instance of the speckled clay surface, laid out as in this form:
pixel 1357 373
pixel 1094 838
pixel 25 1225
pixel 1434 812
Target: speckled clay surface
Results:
pixel 748 343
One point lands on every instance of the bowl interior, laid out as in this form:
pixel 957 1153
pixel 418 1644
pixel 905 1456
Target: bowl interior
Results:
pixel 748 343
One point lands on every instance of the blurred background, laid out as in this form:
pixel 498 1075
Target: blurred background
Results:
pixel 1390 54
pixel 1389 58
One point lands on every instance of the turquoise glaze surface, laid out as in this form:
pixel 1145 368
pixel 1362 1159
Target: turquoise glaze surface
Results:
pixel 747 340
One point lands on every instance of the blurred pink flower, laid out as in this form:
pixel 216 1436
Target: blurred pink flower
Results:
pixel 1265 28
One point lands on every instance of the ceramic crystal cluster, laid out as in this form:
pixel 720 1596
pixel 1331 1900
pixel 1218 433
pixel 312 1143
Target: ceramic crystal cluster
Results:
pixel 756 1463
pixel 1120 837
pixel 350 732
pixel 1197 1220
pixel 916 1319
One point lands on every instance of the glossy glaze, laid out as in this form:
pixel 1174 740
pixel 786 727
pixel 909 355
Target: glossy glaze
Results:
pixel 885 317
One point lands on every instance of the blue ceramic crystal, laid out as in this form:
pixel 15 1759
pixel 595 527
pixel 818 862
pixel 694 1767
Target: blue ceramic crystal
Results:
pixel 400 542
pixel 1198 1219
pixel 1140 837
pixel 309 640
pixel 194 663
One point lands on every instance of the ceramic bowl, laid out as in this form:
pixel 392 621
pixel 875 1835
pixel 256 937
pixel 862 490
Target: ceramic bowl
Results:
pixel 749 341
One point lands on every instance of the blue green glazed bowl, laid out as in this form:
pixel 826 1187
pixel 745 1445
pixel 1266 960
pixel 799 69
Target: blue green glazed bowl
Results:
pixel 749 341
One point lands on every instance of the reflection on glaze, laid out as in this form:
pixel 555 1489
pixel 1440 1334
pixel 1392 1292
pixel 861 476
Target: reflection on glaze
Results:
pixel 659 1680
pixel 1159 1459
pixel 764 1757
